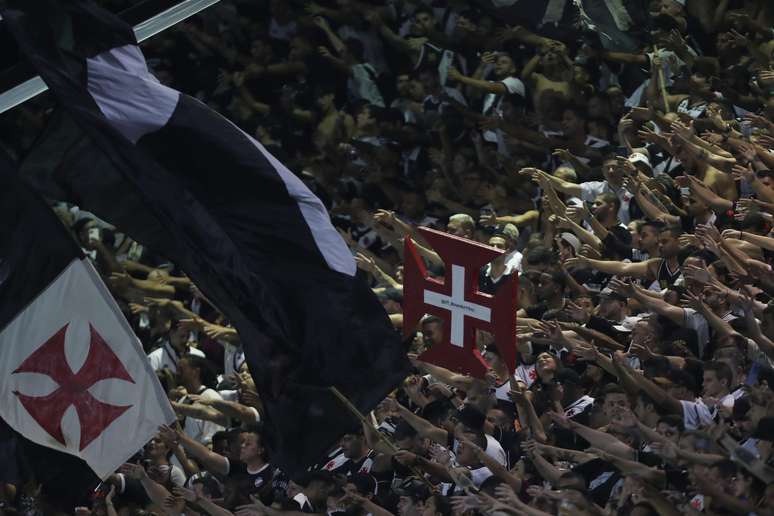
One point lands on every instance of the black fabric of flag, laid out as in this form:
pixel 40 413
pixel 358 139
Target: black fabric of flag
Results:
pixel 34 250
pixel 190 185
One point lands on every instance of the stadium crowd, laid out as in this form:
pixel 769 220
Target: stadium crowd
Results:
pixel 630 183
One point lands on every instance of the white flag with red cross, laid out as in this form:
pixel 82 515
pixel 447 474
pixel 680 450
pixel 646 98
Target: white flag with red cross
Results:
pixel 75 377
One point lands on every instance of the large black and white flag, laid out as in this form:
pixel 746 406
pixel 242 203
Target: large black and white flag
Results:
pixel 189 184
pixel 74 376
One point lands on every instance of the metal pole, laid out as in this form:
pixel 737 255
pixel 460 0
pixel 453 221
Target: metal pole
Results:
pixel 143 30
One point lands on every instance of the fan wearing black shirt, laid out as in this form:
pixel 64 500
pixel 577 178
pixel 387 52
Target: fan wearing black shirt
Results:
pixel 252 467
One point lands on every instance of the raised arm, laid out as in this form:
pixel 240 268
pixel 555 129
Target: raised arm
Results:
pixel 423 427
pixel 209 459
pixel 645 270
pixel 458 381
pixel 602 440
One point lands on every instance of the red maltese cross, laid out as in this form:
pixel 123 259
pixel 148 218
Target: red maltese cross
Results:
pixel 93 415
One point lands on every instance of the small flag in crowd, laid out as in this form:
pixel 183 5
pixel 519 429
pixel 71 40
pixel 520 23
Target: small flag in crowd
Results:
pixel 74 376
pixel 188 183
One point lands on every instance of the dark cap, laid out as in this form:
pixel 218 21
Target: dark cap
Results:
pixel 567 375
pixel 364 483
pixel 414 488
pixel 678 377
pixel 471 418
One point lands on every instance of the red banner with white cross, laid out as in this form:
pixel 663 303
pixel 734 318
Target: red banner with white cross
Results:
pixel 458 302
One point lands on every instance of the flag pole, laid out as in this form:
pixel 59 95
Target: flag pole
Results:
pixel 381 437
pixel 662 83
pixel 34 86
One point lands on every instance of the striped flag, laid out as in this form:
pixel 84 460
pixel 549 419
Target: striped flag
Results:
pixel 188 183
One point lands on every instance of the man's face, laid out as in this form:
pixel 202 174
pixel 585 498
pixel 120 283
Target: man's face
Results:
pixel 700 82
pixel 612 172
pixel 668 431
pixel 498 243
pixel 668 245
pixel 352 446
pixel 572 123
pixel 766 180
pixel 632 227
pixel 156 448
pixel 407 507
pixel 610 308
pixel 423 23
pixel 188 373
pixel 713 387
pixel 745 426
pixel 601 208
pixel 694 206
pixel 433 331
pixel 668 7
pixel 504 66
pixel 455 227
pixel 648 237
pixel 178 336
pixel 714 299
pixel 546 286
pixel 614 402
pixel 249 447
pixel 495 418
pixel 364 118
pixel 466 456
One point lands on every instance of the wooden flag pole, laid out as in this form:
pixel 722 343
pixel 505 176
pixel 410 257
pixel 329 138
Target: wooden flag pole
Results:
pixel 662 83
pixel 380 436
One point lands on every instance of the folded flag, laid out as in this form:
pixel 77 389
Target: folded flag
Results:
pixel 75 377
pixel 192 186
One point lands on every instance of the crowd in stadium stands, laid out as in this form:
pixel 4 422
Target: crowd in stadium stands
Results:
pixel 630 184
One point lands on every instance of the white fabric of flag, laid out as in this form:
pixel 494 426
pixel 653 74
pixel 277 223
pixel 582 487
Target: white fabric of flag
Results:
pixel 75 377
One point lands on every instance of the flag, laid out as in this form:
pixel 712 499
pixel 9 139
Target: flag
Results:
pixel 75 377
pixel 190 185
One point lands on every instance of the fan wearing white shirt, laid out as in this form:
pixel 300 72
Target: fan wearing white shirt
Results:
pixel 172 349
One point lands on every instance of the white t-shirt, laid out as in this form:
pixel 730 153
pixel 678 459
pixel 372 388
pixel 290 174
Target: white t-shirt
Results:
pixel 166 356
pixel 198 429
pixel 495 450
pixel 493 102
pixel 695 321
pixel 697 413
pixel 526 374
pixel 591 189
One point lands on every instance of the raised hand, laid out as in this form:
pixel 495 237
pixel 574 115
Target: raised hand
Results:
pixel 133 471
pixel 742 173
pixel 365 263
pixel 385 217
pixel 169 436
pixel 665 449
pixel 576 313
pixel 454 74
pixel 578 262
pixel 560 419
pixel 623 288
pixel 691 300
pixel 697 274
